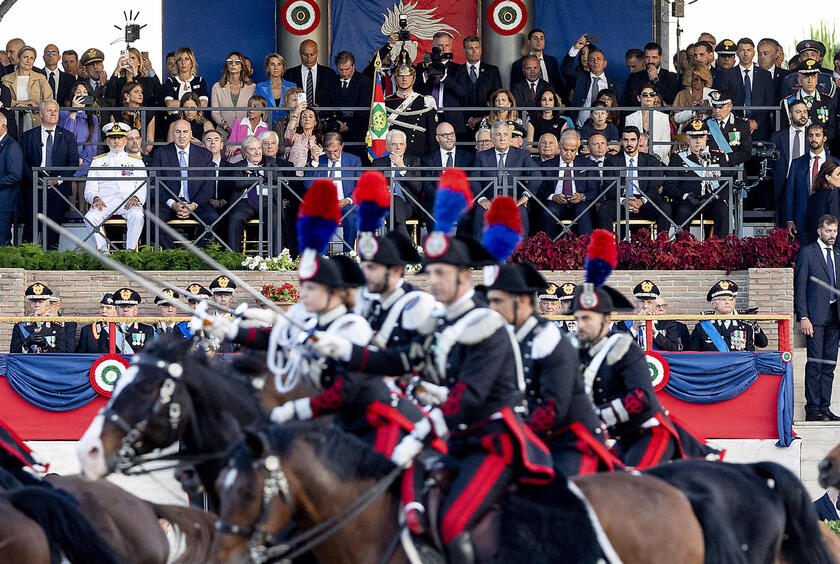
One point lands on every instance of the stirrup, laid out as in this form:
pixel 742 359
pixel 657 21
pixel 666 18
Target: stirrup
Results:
pixel 413 518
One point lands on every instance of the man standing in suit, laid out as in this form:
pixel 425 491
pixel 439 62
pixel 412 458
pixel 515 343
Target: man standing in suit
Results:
pixel 446 155
pixel 184 199
pixel 529 91
pixel 52 147
pixel 549 69
pixel 70 63
pixel 791 143
pixel 767 50
pixel 480 79
pixel 405 192
pixel 351 90
pixel 642 196
pixel 11 173
pixel 495 163
pixel 329 166
pixel 666 83
pixel 816 306
pixel 587 84
pixel 565 193
pixel 800 183
pixel 441 82
pixel 750 85
pixel 316 80
pixel 59 81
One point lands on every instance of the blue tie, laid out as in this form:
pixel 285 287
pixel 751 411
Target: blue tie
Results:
pixel 182 162
pixel 830 261
pixel 48 148
pixel 747 92
pixel 398 191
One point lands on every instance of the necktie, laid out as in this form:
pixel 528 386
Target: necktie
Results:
pixel 593 93
pixel 501 164
pixel 449 160
pixel 310 89
pixel 398 191
pixel 814 171
pixel 48 148
pixel 473 74
pixel 52 83
pixel 747 92
pixel 797 145
pixel 253 197
pixel 216 182
pixel 182 162
pixel 631 173
pixel 436 92
pixel 533 92
pixel 830 262
pixel 722 125
pixel 344 85
pixel 567 182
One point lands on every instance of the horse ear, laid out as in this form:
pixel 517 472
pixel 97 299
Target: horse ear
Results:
pixel 257 444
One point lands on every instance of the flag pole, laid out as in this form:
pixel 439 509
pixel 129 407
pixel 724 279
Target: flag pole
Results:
pixel 377 65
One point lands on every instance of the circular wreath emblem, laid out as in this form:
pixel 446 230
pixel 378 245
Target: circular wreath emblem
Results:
pixel 786 356
pixel 105 372
pixel 300 16
pixel 507 17
pixel 660 372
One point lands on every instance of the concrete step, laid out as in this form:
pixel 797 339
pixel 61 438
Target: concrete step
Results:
pixel 817 439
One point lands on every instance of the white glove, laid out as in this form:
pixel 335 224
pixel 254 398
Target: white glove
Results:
pixel 431 394
pixel 259 314
pixel 405 452
pixel 298 409
pixel 331 346
pixel 222 327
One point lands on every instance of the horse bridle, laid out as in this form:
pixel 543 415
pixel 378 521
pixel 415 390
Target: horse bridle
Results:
pixel 261 545
pixel 132 440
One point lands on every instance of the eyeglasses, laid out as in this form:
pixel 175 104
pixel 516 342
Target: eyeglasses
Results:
pixel 50 52
pixel 450 134
pixel 648 94
pixel 233 61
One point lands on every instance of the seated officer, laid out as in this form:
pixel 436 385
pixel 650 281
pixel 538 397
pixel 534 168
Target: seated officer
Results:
pixel 165 308
pixel 223 289
pixel 34 336
pixel 197 293
pixel 94 337
pixel 130 337
pixel 726 335
pixel 558 299
pixel 667 335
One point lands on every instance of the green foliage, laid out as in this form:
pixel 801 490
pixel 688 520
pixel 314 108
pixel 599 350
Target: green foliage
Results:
pixel 834 526
pixel 31 257
pixel 826 32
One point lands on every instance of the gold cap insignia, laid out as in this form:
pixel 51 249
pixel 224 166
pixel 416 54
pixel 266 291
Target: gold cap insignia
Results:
pixel 223 281
pixel 38 289
pixel 647 286
pixel 125 294
pixel 724 285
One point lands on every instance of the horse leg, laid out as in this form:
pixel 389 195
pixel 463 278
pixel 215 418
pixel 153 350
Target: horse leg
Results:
pixel 22 540
pixel 646 520
pixel 198 529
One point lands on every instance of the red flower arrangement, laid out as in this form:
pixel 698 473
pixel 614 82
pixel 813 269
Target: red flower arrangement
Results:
pixel 284 293
pixel 685 252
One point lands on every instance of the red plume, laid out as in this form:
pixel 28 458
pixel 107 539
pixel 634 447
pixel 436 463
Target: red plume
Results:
pixel 456 180
pixel 503 210
pixel 321 200
pixel 372 187
pixel 602 246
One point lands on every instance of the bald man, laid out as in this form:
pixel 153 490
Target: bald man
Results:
pixel 316 80
pixel 12 48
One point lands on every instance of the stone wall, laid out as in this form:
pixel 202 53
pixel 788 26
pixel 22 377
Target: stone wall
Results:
pixel 770 289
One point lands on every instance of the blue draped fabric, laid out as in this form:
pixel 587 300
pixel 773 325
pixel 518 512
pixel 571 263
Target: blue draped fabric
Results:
pixel 716 377
pixel 51 381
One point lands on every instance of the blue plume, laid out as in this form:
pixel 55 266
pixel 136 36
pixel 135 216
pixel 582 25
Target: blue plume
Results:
pixel 449 205
pixel 371 216
pixel 315 233
pixel 597 271
pixel 501 241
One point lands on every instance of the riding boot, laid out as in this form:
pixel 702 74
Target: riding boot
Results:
pixel 461 550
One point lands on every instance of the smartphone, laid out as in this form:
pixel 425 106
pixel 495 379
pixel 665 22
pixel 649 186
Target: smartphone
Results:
pixel 144 54
pixel 86 100
pixel 124 54
pixel 592 38
pixel 301 97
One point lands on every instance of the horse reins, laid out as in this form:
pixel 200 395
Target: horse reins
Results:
pixel 261 545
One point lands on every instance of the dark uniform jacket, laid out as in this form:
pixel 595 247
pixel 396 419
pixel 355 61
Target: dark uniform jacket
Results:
pixel 39 337
pixel 416 120
pixel 93 338
pixel 667 335
pixel 736 132
pixel 137 335
pixel 685 179
pixel 821 109
pixel 746 336
pixel 396 318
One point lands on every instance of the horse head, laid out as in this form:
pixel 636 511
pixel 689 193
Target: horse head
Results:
pixel 829 468
pixel 149 409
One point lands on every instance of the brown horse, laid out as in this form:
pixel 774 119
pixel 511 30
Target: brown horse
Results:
pixel 22 540
pixel 322 470
pixel 829 469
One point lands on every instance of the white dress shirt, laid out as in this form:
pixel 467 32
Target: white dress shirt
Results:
pixel 443 154
pixel 44 143
pixel 335 174
pixel 583 115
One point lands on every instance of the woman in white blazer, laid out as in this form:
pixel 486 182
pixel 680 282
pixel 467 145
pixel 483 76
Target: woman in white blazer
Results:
pixel 653 122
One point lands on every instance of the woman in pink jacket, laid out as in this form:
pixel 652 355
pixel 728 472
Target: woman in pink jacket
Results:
pixel 252 124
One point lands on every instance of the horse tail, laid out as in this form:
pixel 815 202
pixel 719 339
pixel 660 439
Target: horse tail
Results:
pixel 66 528
pixel 197 528
pixel 803 541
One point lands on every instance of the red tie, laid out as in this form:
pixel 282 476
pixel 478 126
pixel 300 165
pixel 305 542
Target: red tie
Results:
pixel 567 182
pixel 533 92
pixel 814 172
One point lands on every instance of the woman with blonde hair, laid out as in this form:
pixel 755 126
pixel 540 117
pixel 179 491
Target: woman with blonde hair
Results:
pixel 133 69
pixel 234 89
pixel 499 100
pixel 274 89
pixel 697 82
pixel 27 88
pixel 185 79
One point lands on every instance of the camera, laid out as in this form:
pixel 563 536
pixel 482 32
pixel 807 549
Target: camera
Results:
pixel 132 33
pixel 404 33
pixel 435 62
pixel 765 150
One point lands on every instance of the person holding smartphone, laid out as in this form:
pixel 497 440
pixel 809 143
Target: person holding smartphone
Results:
pixel 84 125
pixel 131 67
pixel 304 135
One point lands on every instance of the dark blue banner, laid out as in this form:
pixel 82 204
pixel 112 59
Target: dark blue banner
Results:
pixel 55 382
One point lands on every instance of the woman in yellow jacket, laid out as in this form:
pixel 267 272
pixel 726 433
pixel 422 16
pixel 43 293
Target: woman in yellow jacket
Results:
pixel 29 88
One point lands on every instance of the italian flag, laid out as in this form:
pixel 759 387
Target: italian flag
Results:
pixel 378 127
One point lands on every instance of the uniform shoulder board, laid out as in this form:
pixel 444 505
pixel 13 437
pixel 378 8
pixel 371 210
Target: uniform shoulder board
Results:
pixel 716 152
pixel 739 118
pixel 548 335
pixel 135 156
pixel 352 327
pixel 478 325
pixel 619 349
pixel 99 156
pixel 429 102
pixel 790 98
pixel 418 309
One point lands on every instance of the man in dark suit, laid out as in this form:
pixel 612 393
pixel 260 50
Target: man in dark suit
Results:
pixel 60 82
pixel 351 90
pixel 329 165
pixel 443 83
pixel 566 193
pixel 11 173
pixel 222 189
pixel 245 198
pixel 187 198
pixel 767 50
pixel 316 80
pixel 750 85
pixel 52 147
pixel 666 83
pixel 799 186
pixel 587 84
pixel 816 307
pixel 480 79
pixel 643 195
pixel 406 193
pixel 446 155
pixel 529 91
pixel 495 163
pixel 549 69
pixel 791 144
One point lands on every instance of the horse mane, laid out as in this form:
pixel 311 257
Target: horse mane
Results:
pixel 348 457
